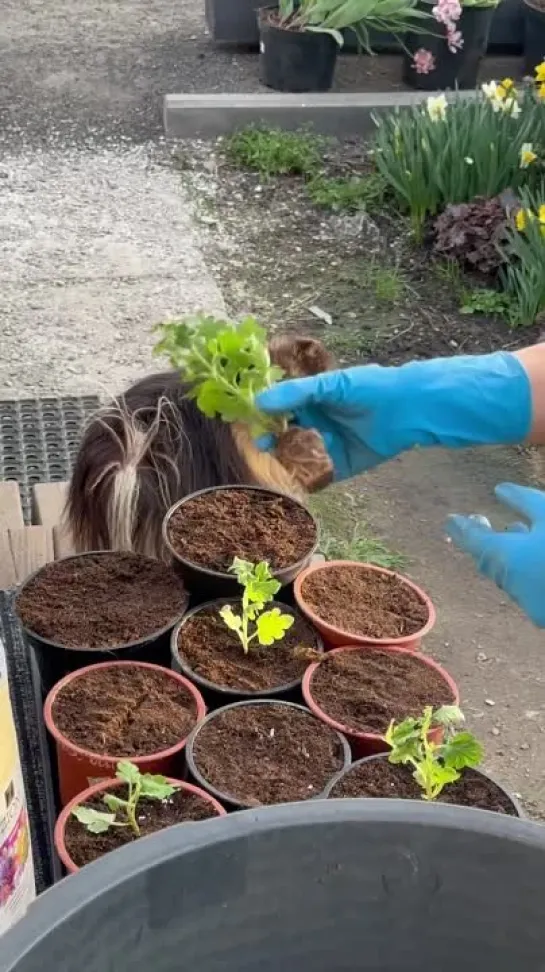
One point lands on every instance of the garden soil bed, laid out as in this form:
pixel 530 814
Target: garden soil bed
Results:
pixel 263 754
pixel 369 604
pixel 215 653
pixel 364 690
pixel 379 778
pixel 124 712
pixel 153 815
pixel 103 601
pixel 212 529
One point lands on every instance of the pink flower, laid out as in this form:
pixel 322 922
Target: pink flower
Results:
pixel 447 11
pixel 423 61
pixel 455 40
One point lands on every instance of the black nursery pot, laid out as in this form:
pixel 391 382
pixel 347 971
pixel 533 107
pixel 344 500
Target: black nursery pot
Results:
pixel 292 60
pixel 217 696
pixel 55 660
pixel 459 70
pixel 534 37
pixel 205 584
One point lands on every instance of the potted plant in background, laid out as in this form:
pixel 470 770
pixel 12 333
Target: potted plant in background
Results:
pixel 299 40
pixel 450 56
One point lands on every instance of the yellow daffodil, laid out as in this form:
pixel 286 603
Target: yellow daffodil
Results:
pixel 540 73
pixel 541 214
pixel 507 84
pixel 522 218
pixel 527 155
pixel 437 107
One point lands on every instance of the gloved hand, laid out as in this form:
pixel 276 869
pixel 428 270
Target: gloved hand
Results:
pixel 514 559
pixel 370 413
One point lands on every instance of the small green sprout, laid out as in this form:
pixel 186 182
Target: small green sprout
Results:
pixel 259 588
pixel 123 812
pixel 434 764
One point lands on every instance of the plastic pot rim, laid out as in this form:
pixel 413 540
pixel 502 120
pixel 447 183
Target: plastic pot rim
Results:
pixel 122 646
pixel 229 692
pixel 107 785
pixel 434 803
pixel 227 798
pixel 141 761
pixel 418 658
pixel 221 575
pixel 351 637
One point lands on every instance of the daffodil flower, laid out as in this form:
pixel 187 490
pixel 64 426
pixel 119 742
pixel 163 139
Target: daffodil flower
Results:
pixel 540 73
pixel 527 155
pixel 437 107
pixel 541 213
pixel 522 218
pixel 468 160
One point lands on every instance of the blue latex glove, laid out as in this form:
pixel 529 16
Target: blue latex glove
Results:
pixel 370 413
pixel 514 559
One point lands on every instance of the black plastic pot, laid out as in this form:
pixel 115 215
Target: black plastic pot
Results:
pixel 367 759
pixel 363 885
pixel 205 584
pixel 458 70
pixel 54 660
pixel 534 37
pixel 228 801
pixel 296 61
pixel 216 696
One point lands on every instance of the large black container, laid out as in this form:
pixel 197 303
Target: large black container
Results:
pixel 458 70
pixel 54 660
pixel 324 886
pixel 534 37
pixel 296 61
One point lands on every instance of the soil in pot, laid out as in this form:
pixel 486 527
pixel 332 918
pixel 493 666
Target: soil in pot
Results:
pixel 153 815
pixel 267 753
pixel 369 604
pixel 376 777
pixel 213 528
pixel 365 689
pixel 124 712
pixel 101 601
pixel 211 651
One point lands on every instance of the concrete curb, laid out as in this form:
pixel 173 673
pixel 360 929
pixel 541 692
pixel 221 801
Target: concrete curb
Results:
pixel 210 115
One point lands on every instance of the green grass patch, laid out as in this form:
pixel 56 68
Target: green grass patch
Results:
pixel 271 151
pixel 344 533
pixel 349 194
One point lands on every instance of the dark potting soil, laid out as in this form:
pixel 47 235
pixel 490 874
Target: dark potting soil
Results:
pixel 212 529
pixel 101 602
pixel 364 690
pixel 364 602
pixel 379 778
pixel 125 711
pixel 153 815
pixel 214 652
pixel 262 754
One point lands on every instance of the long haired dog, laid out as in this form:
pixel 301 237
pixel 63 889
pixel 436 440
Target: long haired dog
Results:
pixel 152 446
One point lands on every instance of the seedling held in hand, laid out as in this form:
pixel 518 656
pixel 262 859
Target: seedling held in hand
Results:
pixel 226 364
pixel 254 623
pixel 123 813
pixel 434 764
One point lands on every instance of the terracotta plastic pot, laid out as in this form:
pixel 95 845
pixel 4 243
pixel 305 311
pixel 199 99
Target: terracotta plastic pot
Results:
pixel 219 695
pixel 206 584
pixel 227 799
pixel 334 636
pixel 345 772
pixel 78 767
pixel 370 743
pixel 108 786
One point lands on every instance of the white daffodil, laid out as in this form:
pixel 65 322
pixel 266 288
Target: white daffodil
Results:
pixel 469 161
pixel 437 107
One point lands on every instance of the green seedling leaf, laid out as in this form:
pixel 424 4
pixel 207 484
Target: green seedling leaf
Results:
pixel 404 740
pixel 156 787
pixel 113 802
pixel 432 779
pixel 232 620
pixel 95 821
pixel 461 751
pixel 448 715
pixel 127 772
pixel 272 626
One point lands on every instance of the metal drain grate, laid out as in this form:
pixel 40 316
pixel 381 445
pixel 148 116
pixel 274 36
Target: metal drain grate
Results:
pixel 39 439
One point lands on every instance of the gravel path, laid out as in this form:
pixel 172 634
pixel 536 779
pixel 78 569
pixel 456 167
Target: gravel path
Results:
pixel 97 241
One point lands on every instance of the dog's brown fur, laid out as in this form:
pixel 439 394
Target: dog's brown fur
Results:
pixel 142 453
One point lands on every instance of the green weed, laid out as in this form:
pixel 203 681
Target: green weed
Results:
pixel 492 303
pixel 275 152
pixel 362 548
pixel 350 194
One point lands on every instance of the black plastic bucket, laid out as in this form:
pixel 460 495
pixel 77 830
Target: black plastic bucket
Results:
pixel 323 886
pixel 458 70
pixel 534 37
pixel 296 61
